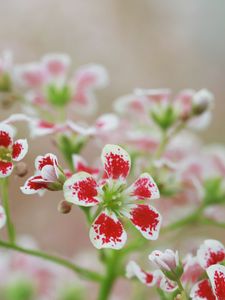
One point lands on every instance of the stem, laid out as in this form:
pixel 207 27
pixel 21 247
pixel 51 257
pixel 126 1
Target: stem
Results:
pixel 110 277
pixel 162 146
pixel 87 274
pixel 5 200
pixel 182 290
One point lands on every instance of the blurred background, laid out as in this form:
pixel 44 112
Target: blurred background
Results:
pixel 150 44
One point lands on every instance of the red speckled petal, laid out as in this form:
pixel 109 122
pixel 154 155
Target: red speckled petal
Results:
pixel 146 219
pixel 147 278
pixel 107 231
pixel 5 168
pixel 6 135
pixel 165 284
pixel 20 148
pixel 47 159
pixel 81 189
pixel 34 185
pixel 216 275
pixel 202 291
pixel 211 252
pixel 144 188
pixel 116 161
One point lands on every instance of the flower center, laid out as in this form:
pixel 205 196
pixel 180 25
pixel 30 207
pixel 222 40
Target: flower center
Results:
pixel 113 196
pixel 5 154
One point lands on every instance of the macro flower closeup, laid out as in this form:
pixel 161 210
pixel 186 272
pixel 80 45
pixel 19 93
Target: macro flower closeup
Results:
pixel 115 200
pixel 10 151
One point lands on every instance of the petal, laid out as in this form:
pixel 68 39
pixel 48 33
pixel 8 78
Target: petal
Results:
pixel 144 188
pixel 6 135
pixel 6 168
pixel 2 217
pixel 130 105
pixel 34 185
pixel 192 269
pixel 165 284
pixel 216 274
pixel 41 128
pixel 107 231
pixel 147 278
pixel 107 122
pixel 116 161
pixel 20 148
pixel 48 166
pixel 202 291
pixel 81 165
pixel 31 75
pixel 56 64
pixel 81 189
pixel 146 219
pixel 90 76
pixel 211 252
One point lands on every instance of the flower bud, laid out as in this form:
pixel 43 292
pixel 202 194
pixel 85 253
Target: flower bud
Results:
pixel 21 169
pixel 202 101
pixel 64 207
pixel 168 262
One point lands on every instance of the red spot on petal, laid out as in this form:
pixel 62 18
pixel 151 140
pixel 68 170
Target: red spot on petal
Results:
pixel 81 167
pixel 116 166
pixel 32 184
pixel 219 281
pixel 148 278
pixel 142 188
pixel 86 190
pixel 5 139
pixel 215 257
pixel 108 229
pixel 5 167
pixel 144 218
pixel 47 160
pixel 45 124
pixel 17 148
pixel 205 291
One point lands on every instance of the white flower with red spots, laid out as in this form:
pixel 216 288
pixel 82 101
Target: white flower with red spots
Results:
pixel 210 252
pixel 10 151
pixel 150 279
pixel 212 289
pixel 115 201
pixel 49 176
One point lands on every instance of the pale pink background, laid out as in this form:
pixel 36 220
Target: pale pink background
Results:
pixel 176 44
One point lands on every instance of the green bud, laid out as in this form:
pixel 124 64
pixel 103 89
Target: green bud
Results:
pixel 164 117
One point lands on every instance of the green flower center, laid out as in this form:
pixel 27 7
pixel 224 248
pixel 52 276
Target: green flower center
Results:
pixel 113 196
pixel 5 154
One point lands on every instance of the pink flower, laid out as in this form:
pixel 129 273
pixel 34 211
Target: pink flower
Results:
pixel 50 86
pixel 9 150
pixel 114 200
pixel 49 176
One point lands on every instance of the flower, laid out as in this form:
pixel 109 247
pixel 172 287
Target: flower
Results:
pixel 210 252
pixel 150 279
pixel 48 83
pixel 10 151
pixel 212 289
pixel 168 262
pixel 49 176
pixel 114 200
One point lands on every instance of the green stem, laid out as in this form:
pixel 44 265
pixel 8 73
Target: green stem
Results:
pixel 110 276
pixel 84 273
pixel 182 290
pixel 5 200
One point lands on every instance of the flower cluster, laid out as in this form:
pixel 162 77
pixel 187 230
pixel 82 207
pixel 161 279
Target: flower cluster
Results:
pixel 204 272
